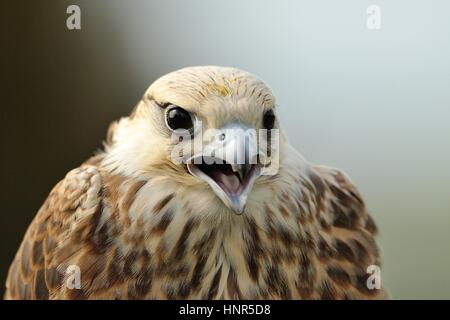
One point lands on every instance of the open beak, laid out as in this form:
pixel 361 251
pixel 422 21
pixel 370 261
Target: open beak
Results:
pixel 229 165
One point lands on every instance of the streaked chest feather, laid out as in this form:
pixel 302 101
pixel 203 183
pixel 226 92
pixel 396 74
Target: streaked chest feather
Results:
pixel 285 246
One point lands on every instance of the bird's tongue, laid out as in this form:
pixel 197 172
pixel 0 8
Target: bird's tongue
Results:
pixel 226 179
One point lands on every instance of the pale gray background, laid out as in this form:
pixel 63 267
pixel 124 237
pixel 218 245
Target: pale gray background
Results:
pixel 373 103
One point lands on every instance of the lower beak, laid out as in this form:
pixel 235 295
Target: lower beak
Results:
pixel 230 177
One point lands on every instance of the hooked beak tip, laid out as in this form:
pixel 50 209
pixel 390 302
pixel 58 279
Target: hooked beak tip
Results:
pixel 238 206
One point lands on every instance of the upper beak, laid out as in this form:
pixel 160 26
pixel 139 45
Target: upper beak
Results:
pixel 229 164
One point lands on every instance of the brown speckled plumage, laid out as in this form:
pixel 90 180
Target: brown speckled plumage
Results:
pixel 140 227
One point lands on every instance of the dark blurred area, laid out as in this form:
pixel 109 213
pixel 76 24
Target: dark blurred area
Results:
pixel 60 89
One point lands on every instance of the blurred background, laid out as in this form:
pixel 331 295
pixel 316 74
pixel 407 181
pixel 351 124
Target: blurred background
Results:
pixel 375 103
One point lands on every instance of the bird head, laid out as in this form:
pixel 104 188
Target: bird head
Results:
pixel 210 127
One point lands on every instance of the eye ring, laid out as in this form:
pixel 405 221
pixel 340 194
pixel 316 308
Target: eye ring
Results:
pixel 178 118
pixel 269 119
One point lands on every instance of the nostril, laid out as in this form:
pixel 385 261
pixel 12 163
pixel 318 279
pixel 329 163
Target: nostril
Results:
pixel 222 137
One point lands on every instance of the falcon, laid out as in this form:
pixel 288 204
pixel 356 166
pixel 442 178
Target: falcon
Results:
pixel 137 223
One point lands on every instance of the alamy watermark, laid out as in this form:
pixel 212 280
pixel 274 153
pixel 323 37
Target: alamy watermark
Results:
pixel 72 277
pixel 73 21
pixel 234 146
pixel 373 17
pixel 374 280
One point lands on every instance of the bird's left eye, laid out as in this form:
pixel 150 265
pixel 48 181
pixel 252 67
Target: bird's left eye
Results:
pixel 269 119
pixel 178 118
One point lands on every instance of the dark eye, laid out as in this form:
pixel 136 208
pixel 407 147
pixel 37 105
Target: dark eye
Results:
pixel 269 119
pixel 178 118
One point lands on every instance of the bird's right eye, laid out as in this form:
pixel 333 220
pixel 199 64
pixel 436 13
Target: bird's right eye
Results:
pixel 178 118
